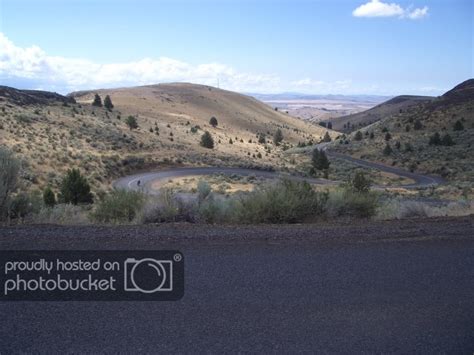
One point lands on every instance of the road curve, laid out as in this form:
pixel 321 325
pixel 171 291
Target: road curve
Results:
pixel 144 181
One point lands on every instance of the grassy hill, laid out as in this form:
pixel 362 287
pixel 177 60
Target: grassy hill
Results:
pixel 395 106
pixel 410 133
pixel 52 133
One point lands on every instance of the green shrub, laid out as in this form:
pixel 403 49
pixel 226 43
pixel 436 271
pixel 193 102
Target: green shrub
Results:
pixel 359 183
pixel 207 141
pixel 66 214
pixel 20 206
pixel 49 198
pixel 108 103
pixel 345 202
pixel 131 122
pixel 282 202
pixel 75 189
pixel 120 206
pixel 203 189
pixel 213 122
pixel 167 207
pixel 97 101
pixel 278 137
pixel 9 172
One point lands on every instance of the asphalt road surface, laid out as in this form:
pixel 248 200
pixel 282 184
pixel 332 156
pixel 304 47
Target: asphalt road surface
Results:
pixel 402 287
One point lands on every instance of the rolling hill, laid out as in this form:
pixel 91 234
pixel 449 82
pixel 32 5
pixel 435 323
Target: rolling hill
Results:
pixel 394 106
pixel 409 133
pixel 52 133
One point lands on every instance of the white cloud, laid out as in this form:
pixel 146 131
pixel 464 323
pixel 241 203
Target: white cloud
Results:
pixel 417 13
pixel 34 67
pixel 377 8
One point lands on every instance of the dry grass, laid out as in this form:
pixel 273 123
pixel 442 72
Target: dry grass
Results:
pixel 52 138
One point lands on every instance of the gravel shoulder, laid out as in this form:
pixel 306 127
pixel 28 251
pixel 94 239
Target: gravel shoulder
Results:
pixel 149 236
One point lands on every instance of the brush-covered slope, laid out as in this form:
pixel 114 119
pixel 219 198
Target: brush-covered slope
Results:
pixel 52 133
pixel 409 133
pixel 395 106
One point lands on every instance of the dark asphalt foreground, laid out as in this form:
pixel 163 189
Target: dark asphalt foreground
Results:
pixel 401 286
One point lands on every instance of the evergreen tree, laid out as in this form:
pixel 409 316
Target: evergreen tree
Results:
pixel 417 125
pixel 358 136
pixel 213 122
pixel 387 150
pixel 329 125
pixel 458 126
pixel 75 189
pixel 327 137
pixel 388 136
pixel 371 135
pixel 49 198
pixel 97 101
pixel 359 183
pixel 131 122
pixel 207 141
pixel 398 145
pixel 435 139
pixel 447 140
pixel 278 137
pixel 320 160
pixel 108 103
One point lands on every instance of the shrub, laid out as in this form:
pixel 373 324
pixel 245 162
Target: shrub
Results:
pixel 108 103
pixel 97 101
pixel 388 136
pixel 167 207
pixel 278 137
pixel 62 214
pixel 326 138
pixel 207 141
pixel 282 202
pixel 387 150
pixel 75 189
pixel 131 122
pixel 447 140
pixel 213 122
pixel 417 125
pixel 20 206
pixel 120 206
pixel 10 168
pixel 319 160
pixel 49 199
pixel 359 183
pixel 435 139
pixel 458 126
pixel 203 189
pixel 345 202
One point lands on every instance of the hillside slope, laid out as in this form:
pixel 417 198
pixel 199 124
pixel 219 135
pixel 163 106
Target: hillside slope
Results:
pixel 408 134
pixel 52 133
pixel 394 106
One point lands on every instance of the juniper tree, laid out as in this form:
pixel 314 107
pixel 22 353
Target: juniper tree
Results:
pixel 97 101
pixel 108 103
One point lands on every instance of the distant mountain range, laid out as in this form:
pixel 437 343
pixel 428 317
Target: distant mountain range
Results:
pixel 301 96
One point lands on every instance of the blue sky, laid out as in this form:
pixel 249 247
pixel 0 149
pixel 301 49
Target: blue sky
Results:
pixel 320 47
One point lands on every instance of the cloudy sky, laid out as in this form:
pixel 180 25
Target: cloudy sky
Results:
pixel 321 46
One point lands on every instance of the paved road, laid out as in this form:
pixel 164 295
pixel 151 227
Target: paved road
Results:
pixel 144 181
pixel 279 289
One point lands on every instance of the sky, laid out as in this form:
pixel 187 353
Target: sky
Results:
pixel 375 47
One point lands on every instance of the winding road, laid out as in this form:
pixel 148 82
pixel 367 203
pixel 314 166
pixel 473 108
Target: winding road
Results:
pixel 144 181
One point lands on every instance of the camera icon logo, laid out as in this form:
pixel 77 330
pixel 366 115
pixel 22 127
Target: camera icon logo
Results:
pixel 148 275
